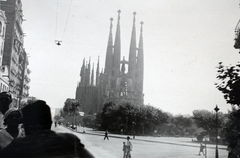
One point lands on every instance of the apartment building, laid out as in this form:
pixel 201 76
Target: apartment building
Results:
pixel 14 56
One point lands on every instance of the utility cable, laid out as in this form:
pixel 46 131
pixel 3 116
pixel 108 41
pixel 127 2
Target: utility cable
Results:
pixel 67 18
pixel 56 21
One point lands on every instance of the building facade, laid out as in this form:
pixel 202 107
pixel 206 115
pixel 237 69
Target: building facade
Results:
pixel 4 71
pixel 121 80
pixel 14 56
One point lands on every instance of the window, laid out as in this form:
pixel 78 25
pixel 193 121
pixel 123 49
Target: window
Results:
pixel 3 30
pixel 0 27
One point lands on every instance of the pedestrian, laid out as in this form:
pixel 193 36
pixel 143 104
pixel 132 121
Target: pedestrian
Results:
pixel 55 124
pixel 201 148
pixel 40 141
pixel 155 133
pixel 106 135
pixel 12 119
pixel 129 147
pixel 124 149
pixel 5 101
pixel 84 130
pixel 230 149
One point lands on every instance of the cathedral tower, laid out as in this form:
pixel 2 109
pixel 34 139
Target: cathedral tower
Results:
pixel 114 84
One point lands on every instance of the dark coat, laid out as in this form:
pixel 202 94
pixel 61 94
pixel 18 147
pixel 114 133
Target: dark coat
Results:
pixel 46 144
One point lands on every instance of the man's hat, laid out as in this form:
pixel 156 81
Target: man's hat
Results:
pixel 10 111
pixel 6 95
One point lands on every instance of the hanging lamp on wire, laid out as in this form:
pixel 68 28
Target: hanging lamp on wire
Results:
pixel 58 42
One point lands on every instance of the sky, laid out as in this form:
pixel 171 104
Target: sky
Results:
pixel 183 43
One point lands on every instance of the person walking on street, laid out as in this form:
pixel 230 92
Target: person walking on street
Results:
pixel 129 147
pixel 201 148
pixel 106 135
pixel 124 149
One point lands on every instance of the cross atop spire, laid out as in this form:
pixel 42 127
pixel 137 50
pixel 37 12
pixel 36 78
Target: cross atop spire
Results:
pixel 141 25
pixel 119 11
pixel 134 13
pixel 111 19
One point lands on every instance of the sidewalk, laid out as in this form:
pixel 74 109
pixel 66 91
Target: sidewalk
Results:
pixel 182 141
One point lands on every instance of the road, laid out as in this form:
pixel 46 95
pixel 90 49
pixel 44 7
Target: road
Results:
pixel 143 147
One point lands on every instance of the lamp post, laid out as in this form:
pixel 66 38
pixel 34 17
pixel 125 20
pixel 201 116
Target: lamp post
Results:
pixel 216 109
pixel 133 129
pixel 133 125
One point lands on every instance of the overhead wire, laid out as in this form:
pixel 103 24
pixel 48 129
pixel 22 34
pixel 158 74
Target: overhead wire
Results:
pixel 58 42
pixel 67 18
pixel 56 20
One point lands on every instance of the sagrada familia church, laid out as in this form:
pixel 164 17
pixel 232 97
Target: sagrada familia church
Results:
pixel 121 80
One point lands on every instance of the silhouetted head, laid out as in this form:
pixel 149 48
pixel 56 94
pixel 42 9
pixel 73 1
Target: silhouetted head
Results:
pixel 5 101
pixel 36 116
pixel 12 117
pixel 128 137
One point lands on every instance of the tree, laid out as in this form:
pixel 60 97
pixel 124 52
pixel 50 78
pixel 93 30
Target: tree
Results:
pixel 207 120
pixel 57 118
pixel 183 124
pixel 71 105
pixel 229 84
pixel 232 126
pixel 71 109
pixel 130 118
pixel 89 121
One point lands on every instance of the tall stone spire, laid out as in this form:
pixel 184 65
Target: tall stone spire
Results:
pixel 88 72
pixel 92 76
pixel 97 73
pixel 132 51
pixel 82 73
pixel 140 61
pixel 117 49
pixel 109 54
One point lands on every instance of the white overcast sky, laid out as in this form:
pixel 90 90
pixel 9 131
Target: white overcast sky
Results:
pixel 183 43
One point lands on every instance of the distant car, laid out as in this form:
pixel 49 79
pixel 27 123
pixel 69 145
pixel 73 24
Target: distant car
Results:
pixel 74 127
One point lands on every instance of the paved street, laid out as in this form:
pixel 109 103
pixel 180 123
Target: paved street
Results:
pixel 143 147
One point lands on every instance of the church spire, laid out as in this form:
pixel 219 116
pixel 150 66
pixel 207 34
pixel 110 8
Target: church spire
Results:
pixel 92 76
pixel 117 49
pixel 109 54
pixel 140 61
pixel 97 73
pixel 82 73
pixel 88 72
pixel 132 51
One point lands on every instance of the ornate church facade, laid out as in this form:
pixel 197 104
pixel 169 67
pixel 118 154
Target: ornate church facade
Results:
pixel 121 80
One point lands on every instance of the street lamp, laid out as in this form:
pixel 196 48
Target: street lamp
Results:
pixel 133 129
pixel 216 109
pixel 133 125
